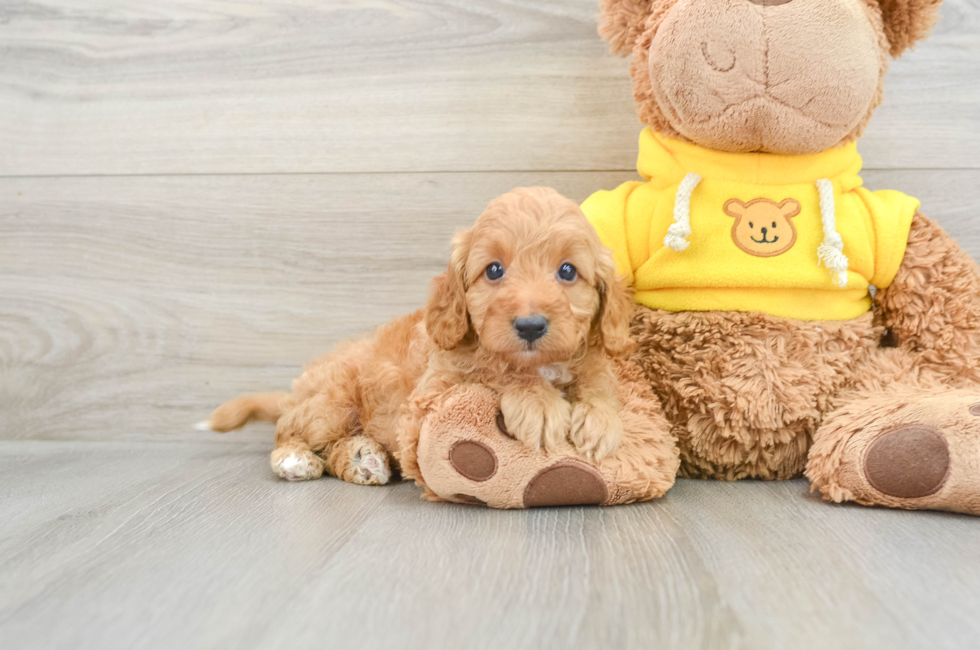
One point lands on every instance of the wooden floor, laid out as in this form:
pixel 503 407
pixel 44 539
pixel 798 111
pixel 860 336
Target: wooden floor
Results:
pixel 198 197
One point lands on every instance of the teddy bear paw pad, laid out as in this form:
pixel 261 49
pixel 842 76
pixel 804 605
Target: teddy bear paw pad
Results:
pixel 474 460
pixel 566 484
pixel 908 462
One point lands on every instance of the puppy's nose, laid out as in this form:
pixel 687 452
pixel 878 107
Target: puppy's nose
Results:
pixel 531 328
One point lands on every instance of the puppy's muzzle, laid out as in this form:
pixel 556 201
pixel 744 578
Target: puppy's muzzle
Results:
pixel 531 328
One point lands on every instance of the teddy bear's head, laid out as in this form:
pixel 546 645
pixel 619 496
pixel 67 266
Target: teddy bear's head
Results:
pixel 776 76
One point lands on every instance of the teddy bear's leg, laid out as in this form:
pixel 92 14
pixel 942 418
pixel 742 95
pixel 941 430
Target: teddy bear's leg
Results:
pixel 905 446
pixel 909 435
pixel 465 455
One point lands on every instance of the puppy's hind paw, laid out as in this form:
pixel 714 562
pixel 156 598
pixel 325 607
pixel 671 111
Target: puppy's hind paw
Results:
pixel 296 464
pixel 368 463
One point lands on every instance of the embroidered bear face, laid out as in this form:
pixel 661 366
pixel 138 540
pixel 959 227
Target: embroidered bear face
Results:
pixel 762 227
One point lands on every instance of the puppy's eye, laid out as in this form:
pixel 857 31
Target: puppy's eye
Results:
pixel 567 272
pixel 495 271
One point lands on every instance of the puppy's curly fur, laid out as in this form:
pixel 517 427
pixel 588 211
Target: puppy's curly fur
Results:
pixel 346 410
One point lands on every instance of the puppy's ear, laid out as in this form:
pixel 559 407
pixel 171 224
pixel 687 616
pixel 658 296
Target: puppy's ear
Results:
pixel 622 22
pixel 612 322
pixel 908 21
pixel 446 318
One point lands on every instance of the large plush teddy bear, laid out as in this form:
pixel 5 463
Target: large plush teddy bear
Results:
pixel 790 320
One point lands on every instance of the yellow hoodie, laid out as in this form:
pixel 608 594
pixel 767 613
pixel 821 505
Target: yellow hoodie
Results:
pixel 792 236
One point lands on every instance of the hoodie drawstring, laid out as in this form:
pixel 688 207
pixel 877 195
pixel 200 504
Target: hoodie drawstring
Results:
pixel 831 251
pixel 680 230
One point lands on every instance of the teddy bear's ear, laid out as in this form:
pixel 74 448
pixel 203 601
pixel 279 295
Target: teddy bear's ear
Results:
pixel 622 21
pixel 908 21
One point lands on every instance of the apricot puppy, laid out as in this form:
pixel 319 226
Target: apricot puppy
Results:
pixel 530 306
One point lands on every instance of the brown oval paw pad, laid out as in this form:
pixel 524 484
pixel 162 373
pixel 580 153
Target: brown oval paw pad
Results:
pixel 975 410
pixel 908 462
pixel 565 484
pixel 473 460
pixel 469 500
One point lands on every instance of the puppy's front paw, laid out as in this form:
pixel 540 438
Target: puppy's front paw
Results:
pixel 596 428
pixel 537 418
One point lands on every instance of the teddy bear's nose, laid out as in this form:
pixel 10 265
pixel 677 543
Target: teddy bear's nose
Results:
pixel 770 3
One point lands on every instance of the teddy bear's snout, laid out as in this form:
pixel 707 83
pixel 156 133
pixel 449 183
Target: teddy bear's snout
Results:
pixel 752 75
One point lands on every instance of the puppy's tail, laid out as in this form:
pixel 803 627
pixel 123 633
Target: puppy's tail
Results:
pixel 265 407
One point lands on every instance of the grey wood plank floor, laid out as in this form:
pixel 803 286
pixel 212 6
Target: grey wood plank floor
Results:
pixel 198 197
pixel 169 545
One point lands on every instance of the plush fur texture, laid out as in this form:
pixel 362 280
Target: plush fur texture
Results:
pixel 746 391
pixel 358 411
pixel 907 21
pixel 862 406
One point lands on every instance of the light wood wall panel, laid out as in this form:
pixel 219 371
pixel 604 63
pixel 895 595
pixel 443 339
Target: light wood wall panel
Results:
pixel 131 306
pixel 177 86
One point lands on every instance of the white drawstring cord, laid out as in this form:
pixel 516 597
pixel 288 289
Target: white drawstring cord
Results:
pixel 680 230
pixel 831 251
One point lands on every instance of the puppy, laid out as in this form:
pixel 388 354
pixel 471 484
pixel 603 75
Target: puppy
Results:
pixel 530 306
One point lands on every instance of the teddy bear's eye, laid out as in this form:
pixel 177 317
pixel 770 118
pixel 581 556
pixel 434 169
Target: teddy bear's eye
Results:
pixel 495 271
pixel 773 224
pixel 751 225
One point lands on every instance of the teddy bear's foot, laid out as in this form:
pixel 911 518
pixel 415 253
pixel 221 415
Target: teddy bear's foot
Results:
pixel 466 455
pixel 911 449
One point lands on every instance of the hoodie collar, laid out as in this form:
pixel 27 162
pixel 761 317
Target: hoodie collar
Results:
pixel 667 161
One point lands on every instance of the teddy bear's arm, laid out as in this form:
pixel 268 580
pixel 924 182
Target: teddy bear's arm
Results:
pixel 932 308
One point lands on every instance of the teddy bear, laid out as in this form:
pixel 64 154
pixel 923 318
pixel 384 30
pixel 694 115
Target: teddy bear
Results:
pixel 790 321
pixel 830 331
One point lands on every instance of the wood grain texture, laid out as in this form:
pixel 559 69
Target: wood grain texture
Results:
pixel 133 306
pixel 149 545
pixel 196 198
pixel 174 86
